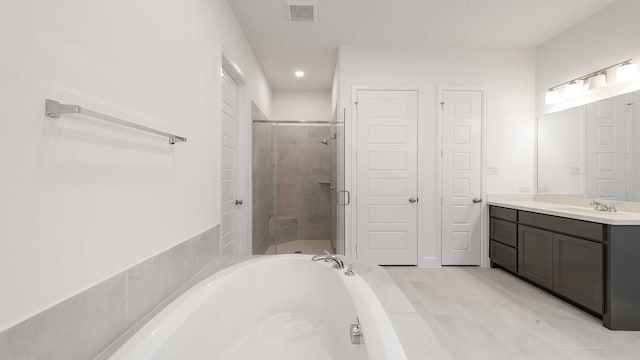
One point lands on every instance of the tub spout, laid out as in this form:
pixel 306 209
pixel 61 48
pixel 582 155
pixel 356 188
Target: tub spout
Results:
pixel 338 263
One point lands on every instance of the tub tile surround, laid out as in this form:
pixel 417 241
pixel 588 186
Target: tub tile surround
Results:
pixel 571 207
pixel 218 263
pixel 153 280
pixel 81 326
pixel 74 329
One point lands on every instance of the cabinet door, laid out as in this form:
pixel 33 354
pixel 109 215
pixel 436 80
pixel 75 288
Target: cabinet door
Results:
pixel 578 271
pixel 535 255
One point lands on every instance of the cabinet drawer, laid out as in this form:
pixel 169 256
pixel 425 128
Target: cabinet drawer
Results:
pixel 504 232
pixel 503 213
pixel 579 228
pixel 503 255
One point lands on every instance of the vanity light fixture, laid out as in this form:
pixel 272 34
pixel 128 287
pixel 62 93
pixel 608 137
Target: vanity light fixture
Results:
pixel 626 70
pixel 299 73
pixel 598 81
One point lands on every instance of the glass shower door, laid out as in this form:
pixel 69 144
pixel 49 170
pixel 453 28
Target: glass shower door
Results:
pixel 343 197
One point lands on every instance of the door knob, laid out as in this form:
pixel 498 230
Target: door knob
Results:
pixel 477 200
pixel 412 200
pixel 238 202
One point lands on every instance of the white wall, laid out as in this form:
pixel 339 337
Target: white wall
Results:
pixel 607 37
pixel 83 200
pixel 302 105
pixel 508 77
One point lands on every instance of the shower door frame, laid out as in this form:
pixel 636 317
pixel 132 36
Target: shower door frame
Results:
pixel 277 123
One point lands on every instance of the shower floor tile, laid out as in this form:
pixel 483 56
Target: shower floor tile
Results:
pixel 309 247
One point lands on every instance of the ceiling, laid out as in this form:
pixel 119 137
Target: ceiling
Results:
pixel 283 47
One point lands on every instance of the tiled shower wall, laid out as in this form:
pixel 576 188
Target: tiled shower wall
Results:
pixel 262 184
pixel 303 173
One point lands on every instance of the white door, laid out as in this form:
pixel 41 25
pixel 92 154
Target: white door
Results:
pixel 387 173
pixel 607 149
pixel 461 177
pixel 229 163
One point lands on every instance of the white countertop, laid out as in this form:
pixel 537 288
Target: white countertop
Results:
pixel 571 211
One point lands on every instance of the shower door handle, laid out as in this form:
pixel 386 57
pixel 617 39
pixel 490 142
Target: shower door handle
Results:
pixel 347 195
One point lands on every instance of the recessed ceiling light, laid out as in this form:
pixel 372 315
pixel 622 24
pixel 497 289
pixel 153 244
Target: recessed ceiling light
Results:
pixel 299 73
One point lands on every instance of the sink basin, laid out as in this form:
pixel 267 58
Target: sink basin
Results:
pixel 585 210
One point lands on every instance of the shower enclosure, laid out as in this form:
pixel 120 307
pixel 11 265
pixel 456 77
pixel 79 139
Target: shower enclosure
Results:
pixel 296 186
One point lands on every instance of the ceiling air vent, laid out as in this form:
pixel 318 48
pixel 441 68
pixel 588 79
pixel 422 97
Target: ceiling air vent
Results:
pixel 303 11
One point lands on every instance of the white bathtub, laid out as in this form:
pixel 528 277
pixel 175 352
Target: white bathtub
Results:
pixel 276 307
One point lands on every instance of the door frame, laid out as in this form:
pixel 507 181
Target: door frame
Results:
pixel 242 244
pixel 351 175
pixel 484 218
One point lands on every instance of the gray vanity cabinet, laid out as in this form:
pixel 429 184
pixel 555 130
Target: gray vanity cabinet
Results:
pixel 593 265
pixel 535 255
pixel 563 255
pixel 578 269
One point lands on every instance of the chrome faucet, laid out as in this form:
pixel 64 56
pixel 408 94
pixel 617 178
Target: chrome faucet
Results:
pixel 598 206
pixel 328 257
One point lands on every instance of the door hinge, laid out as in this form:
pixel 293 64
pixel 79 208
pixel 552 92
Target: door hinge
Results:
pixel 442 153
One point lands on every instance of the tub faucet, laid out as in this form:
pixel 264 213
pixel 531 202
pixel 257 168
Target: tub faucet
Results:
pixel 598 206
pixel 338 263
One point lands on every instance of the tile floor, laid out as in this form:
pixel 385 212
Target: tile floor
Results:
pixel 474 313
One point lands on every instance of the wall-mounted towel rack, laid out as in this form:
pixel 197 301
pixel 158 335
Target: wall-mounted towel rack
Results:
pixel 54 109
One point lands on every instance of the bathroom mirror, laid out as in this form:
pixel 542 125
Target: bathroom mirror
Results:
pixel 592 150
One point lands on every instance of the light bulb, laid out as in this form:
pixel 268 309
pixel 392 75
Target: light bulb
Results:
pixel 299 73
pixel 627 72
pixel 552 96
pixel 574 88
pixel 598 81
